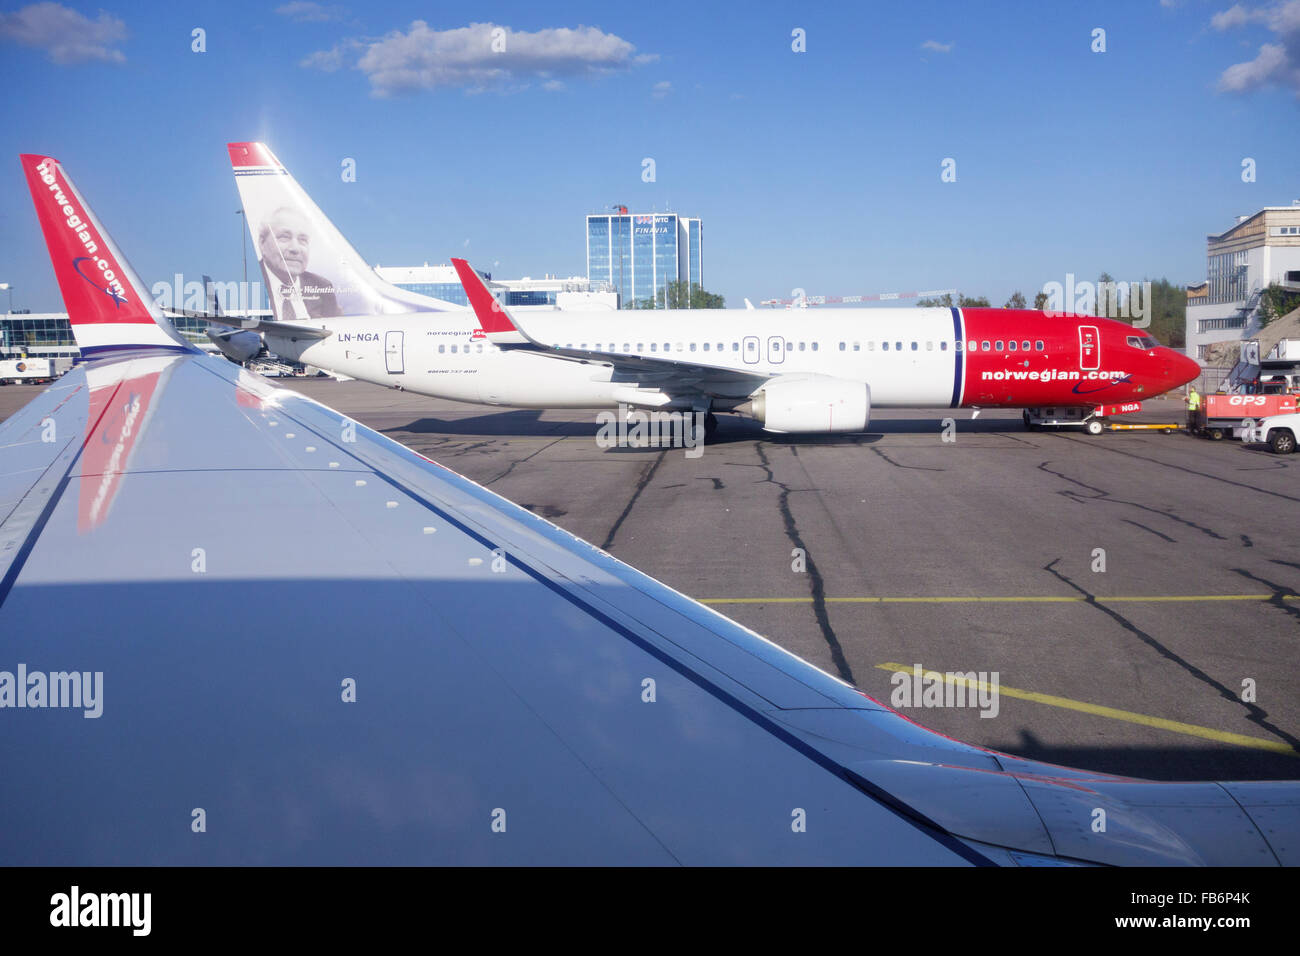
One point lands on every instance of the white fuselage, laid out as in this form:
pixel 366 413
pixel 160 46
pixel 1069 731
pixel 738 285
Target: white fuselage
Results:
pixel 439 354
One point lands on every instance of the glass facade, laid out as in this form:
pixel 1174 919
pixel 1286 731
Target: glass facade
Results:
pixel 638 255
pixel 52 334
pixel 1227 277
pixel 23 333
pixel 695 236
pixel 450 291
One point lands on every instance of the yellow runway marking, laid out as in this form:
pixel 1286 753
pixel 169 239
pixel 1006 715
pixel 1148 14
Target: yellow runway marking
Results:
pixel 1194 730
pixel 1062 599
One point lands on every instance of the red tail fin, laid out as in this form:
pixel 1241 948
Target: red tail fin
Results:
pixel 108 306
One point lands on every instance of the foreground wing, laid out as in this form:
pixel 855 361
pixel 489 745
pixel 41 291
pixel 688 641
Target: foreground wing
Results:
pixel 241 628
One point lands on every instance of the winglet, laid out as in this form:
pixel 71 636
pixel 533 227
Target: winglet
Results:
pixel 257 155
pixel 492 316
pixel 108 305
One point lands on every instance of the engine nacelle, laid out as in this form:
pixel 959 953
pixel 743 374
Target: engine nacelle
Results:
pixel 238 345
pixel 815 404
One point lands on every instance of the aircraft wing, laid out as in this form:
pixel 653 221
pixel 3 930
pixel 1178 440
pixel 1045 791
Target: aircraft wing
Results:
pixel 504 330
pixel 375 660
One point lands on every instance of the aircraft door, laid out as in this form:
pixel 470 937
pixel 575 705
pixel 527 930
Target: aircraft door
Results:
pixel 393 353
pixel 749 349
pixel 1089 348
pixel 776 349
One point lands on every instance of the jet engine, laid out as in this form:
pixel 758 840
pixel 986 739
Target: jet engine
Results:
pixel 811 404
pixel 238 345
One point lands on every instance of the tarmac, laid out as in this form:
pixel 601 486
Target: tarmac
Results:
pixel 1133 595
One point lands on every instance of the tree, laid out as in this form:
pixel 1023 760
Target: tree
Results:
pixel 1040 301
pixel 678 294
pixel 1017 301
pixel 942 302
pixel 966 302
pixel 1275 302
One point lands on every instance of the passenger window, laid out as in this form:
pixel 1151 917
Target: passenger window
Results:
pixel 1024 346
pixel 984 346
pixel 706 346
pixel 735 346
pixel 998 345
pixel 1039 345
pixel 692 346
pixel 453 349
pixel 1011 346
pixel 640 346
pixel 974 347
pixel 842 346
pixel 929 346
pixel 913 346
pixel 957 345
pixel 857 346
pixel 679 346
pixel 654 346
pixel 442 349
pixel 884 346
pixel 943 346
pixel 814 347
pixel 666 347
pixel 898 346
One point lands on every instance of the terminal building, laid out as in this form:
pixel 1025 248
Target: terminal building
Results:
pixel 48 334
pixel 1259 251
pixel 553 292
pixel 639 254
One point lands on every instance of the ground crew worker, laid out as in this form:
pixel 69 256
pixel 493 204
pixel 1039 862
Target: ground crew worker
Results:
pixel 1193 406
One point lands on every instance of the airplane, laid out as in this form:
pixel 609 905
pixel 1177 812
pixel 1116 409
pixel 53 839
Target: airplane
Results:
pixel 419 671
pixel 818 373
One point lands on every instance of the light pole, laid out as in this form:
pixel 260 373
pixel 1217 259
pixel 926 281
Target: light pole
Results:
pixel 6 287
pixel 621 210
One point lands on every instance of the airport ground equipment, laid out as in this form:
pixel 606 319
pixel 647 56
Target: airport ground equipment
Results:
pixel 1221 416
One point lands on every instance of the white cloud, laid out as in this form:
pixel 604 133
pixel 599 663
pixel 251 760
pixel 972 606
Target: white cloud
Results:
pixel 478 57
pixel 64 34
pixel 935 46
pixel 1277 63
pixel 661 89
pixel 304 11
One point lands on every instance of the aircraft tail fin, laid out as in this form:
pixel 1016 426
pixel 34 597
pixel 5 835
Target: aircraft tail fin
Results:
pixel 311 271
pixel 493 317
pixel 109 307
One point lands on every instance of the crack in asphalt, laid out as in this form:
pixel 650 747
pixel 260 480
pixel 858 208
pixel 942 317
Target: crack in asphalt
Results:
pixel 647 473
pixel 1101 494
pixel 816 585
pixel 1279 596
pixel 1183 468
pixel 520 461
pixel 898 465
pixel 1138 524
pixel 1254 713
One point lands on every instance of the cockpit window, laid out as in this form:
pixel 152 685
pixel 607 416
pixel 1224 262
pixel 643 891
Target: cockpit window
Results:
pixel 1143 342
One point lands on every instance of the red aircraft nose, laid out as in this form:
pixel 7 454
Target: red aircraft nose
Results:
pixel 1183 369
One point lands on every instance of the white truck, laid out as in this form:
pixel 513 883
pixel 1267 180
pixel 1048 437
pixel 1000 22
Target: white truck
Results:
pixel 1279 432
pixel 32 371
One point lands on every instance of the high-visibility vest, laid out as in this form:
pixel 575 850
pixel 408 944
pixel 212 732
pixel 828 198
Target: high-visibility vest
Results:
pixel 1193 401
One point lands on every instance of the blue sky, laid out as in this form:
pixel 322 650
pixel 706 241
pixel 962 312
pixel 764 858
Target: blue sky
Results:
pixel 818 169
